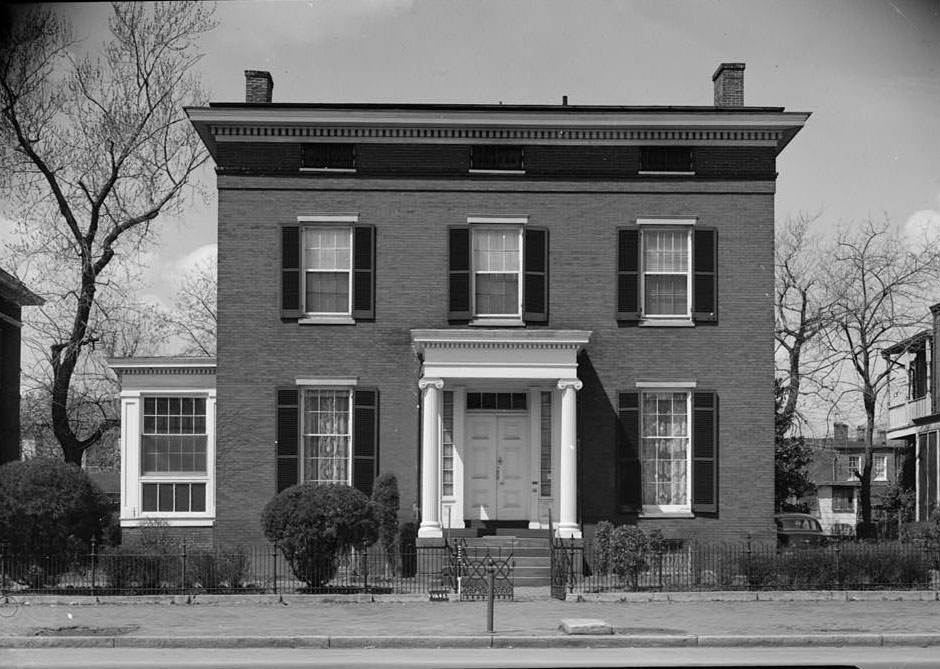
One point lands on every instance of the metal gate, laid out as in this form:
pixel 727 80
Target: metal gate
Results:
pixel 469 572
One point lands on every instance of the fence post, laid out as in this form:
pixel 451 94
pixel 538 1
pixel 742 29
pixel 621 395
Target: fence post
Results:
pixel 274 562
pixel 94 560
pixel 3 571
pixel 747 551
pixel 183 574
pixel 490 593
pixel 838 550
pixel 365 568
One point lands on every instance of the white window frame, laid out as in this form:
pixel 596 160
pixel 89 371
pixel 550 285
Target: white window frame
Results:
pixel 499 224
pixel 326 222
pixel 651 225
pixel 852 467
pixel 302 450
pixel 669 510
pixel 132 478
pixel 874 468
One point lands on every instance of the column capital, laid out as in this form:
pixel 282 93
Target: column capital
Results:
pixel 574 384
pixel 430 382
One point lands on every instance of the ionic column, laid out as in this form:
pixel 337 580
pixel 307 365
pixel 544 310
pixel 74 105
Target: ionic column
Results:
pixel 568 494
pixel 430 458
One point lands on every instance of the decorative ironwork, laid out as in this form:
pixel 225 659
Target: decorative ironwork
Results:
pixel 467 571
pixel 565 562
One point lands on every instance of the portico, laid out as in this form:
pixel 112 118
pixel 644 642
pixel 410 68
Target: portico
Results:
pixel 499 419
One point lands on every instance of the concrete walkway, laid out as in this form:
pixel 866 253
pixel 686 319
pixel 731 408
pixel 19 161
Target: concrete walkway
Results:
pixel 832 619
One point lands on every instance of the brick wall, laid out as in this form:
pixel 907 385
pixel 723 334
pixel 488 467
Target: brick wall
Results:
pixel 258 352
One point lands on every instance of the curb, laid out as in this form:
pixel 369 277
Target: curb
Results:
pixel 481 641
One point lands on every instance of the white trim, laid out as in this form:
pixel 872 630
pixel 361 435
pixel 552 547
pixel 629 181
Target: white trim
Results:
pixel 171 521
pixel 328 218
pixel 302 446
pixel 651 512
pixel 326 319
pixel 343 222
pixel 169 392
pixel 486 220
pixel 678 385
pixel 672 510
pixel 496 321
pixel 328 381
pixel 667 221
pixel 655 322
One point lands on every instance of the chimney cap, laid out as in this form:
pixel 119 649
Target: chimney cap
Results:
pixel 258 73
pixel 727 66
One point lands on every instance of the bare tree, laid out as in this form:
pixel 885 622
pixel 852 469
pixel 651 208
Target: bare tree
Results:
pixel 193 319
pixel 878 282
pixel 95 150
pixel 802 313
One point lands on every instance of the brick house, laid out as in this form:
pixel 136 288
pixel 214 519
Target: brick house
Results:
pixel 914 409
pixel 13 297
pixel 835 461
pixel 519 310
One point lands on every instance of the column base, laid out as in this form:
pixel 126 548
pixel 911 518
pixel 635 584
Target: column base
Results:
pixel 430 531
pixel 567 531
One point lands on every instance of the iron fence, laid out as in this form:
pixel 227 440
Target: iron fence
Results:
pixel 845 565
pixel 183 570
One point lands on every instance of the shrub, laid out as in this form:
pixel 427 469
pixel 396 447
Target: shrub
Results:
pixel 385 501
pixel 601 546
pixel 48 507
pixel 312 523
pixel 152 562
pixel 407 544
pixel 625 550
pixel 217 571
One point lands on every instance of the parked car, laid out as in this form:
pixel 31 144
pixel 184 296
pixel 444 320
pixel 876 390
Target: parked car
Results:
pixel 798 530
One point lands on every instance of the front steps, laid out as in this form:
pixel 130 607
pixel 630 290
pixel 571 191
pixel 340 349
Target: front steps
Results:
pixel 529 548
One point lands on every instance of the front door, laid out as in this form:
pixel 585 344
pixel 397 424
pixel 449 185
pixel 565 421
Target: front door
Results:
pixel 497 446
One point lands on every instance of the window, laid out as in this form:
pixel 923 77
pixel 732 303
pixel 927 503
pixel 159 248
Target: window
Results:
pixel 447 444
pixel 488 158
pixel 667 160
pixel 665 451
pixel 666 277
pixel 329 157
pixel 667 273
pixel 545 452
pixel 496 401
pixel 497 272
pixel 843 499
pixel 854 465
pixel 327 435
pixel 879 468
pixel 174 455
pixel 327 258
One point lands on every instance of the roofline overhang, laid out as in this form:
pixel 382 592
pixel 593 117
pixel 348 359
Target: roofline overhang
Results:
pixel 179 364
pixel 422 339
pixel 16 291
pixel 907 344
pixel 495 124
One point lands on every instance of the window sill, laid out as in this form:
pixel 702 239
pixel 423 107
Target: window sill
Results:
pixel 666 514
pixel 497 322
pixel 326 320
pixel 171 520
pixel 507 172
pixel 666 323
pixel 666 173
pixel 327 170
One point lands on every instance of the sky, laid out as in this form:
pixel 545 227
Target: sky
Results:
pixel 868 70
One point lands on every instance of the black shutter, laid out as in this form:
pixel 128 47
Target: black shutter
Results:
pixel 704 452
pixel 288 437
pixel 628 275
pixel 705 275
pixel 365 460
pixel 629 493
pixel 363 305
pixel 290 271
pixel 535 280
pixel 458 308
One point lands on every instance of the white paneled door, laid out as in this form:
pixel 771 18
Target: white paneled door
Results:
pixel 497 471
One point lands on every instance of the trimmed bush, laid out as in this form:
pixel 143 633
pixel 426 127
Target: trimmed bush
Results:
pixel 312 523
pixel 217 571
pixel 625 550
pixel 408 545
pixel 48 507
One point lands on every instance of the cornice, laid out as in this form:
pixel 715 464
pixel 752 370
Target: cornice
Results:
pixel 503 339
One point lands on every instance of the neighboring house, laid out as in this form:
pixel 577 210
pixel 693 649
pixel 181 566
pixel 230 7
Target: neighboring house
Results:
pixel 13 296
pixel 521 311
pixel 914 409
pixel 835 461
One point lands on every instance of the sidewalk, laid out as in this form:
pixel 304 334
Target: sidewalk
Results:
pixel 881 618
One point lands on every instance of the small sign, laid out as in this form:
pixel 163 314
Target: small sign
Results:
pixel 438 595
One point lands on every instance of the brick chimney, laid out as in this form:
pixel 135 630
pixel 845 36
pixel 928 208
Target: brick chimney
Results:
pixel 729 85
pixel 860 432
pixel 258 86
pixel 840 432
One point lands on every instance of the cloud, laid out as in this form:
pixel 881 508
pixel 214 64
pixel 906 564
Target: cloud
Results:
pixel 923 226
pixel 199 256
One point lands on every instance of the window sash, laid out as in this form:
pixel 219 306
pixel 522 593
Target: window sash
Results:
pixel 173 497
pixel 327 269
pixel 666 451
pixel 447 444
pixel 879 468
pixel 496 256
pixel 326 446
pixel 545 450
pixel 843 500
pixel 174 437
pixel 666 275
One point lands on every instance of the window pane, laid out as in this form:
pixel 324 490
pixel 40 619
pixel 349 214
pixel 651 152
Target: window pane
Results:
pixel 666 295
pixel 496 250
pixel 545 455
pixel 497 294
pixel 327 292
pixel 198 497
pixel 327 248
pixel 149 502
pixel 165 497
pixel 182 496
pixel 447 444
